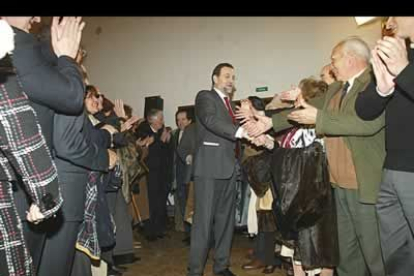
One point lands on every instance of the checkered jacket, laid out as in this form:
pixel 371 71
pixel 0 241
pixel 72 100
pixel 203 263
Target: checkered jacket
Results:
pixel 23 151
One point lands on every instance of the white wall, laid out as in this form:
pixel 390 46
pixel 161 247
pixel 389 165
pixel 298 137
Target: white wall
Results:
pixel 135 57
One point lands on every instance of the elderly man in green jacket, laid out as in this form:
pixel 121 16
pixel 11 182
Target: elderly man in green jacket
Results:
pixel 355 151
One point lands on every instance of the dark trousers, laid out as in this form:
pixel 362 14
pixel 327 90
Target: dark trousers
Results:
pixel 182 195
pixel 264 249
pixel 395 208
pixel 124 236
pixel 157 201
pixel 214 213
pixel 35 237
pixel 81 265
pixel 358 236
pixel 59 251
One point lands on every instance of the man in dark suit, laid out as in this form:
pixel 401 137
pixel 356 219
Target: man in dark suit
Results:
pixel 158 177
pixel 180 166
pixel 53 82
pixel 216 166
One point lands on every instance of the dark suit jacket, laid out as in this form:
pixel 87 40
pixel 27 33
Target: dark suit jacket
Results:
pixel 185 148
pixel 52 85
pixel 76 155
pixel 157 150
pixel 216 141
pixel 159 159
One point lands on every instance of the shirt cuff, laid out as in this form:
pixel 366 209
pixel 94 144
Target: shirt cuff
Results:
pixel 385 94
pixel 240 132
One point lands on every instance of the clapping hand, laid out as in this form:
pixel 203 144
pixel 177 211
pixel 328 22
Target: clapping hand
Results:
pixel 66 35
pixel 129 123
pixel 306 116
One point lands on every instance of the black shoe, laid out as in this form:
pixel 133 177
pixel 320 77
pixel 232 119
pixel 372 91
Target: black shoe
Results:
pixel 112 272
pixel 119 269
pixel 187 241
pixel 270 269
pixel 225 272
pixel 151 238
pixel 125 259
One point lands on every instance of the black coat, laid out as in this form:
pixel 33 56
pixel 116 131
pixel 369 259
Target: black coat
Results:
pixel 52 85
pixel 158 151
pixel 77 153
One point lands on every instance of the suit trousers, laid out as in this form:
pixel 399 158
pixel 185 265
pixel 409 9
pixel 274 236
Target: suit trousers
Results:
pixel 59 251
pixel 157 199
pixel 395 208
pixel 182 195
pixel 214 215
pixel 358 236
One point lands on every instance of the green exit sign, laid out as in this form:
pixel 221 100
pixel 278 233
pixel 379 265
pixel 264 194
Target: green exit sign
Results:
pixel 262 89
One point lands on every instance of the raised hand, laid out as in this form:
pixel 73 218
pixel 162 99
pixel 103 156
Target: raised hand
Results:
pixel 393 51
pixel 305 116
pixel 119 108
pixel 258 127
pixel 244 114
pixel 385 81
pixel 129 123
pixel 66 35
pixel 277 103
pixel 290 95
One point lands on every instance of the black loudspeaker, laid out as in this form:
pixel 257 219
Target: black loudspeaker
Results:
pixel 153 102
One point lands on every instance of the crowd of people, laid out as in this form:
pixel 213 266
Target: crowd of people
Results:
pixel 320 175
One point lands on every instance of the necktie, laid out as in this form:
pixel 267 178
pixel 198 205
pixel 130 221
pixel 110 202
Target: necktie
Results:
pixel 228 105
pixel 344 91
pixel 233 118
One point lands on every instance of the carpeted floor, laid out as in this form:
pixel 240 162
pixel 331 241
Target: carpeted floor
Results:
pixel 169 257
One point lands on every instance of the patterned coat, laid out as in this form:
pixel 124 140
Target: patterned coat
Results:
pixel 23 151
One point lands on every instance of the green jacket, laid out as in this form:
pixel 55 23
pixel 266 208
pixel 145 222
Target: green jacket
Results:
pixel 365 139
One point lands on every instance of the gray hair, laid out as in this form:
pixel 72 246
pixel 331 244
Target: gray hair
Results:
pixel 354 45
pixel 153 113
